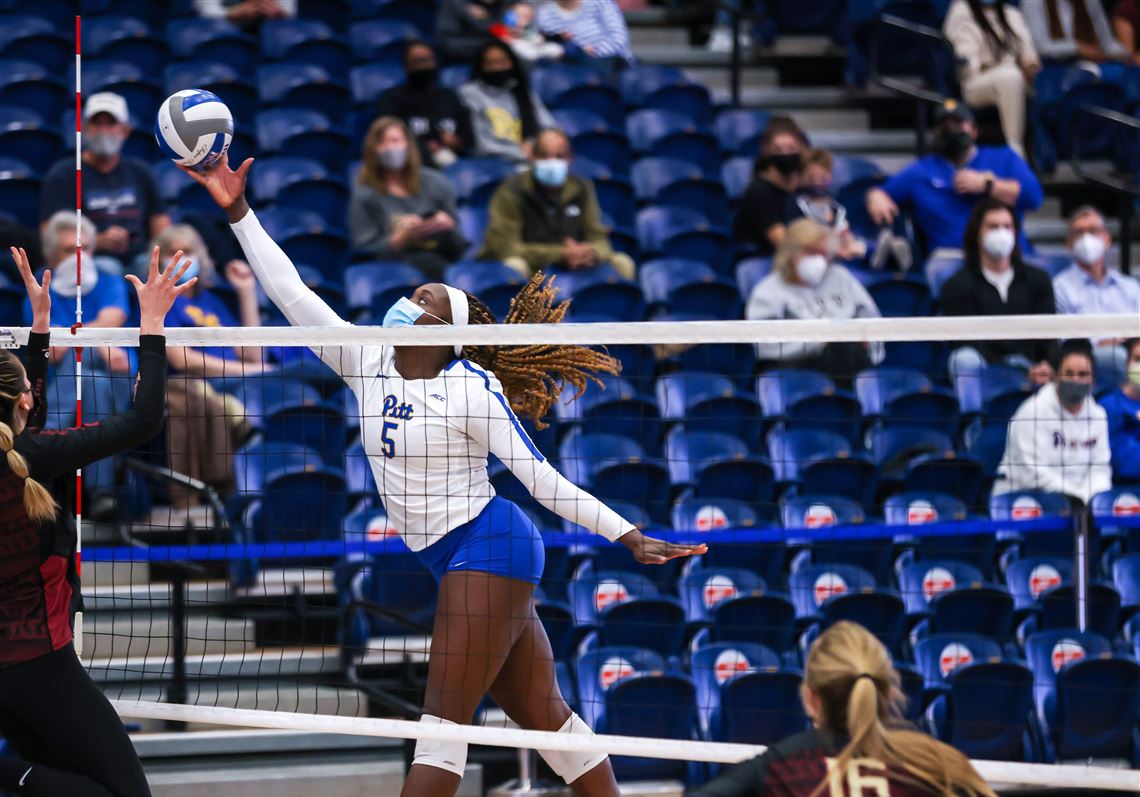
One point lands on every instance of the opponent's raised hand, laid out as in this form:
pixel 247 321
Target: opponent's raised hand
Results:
pixel 158 293
pixel 38 293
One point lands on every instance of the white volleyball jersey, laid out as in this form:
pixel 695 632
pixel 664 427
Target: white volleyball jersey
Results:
pixel 427 440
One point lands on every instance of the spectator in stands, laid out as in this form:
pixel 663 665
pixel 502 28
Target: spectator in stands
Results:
pixel 1058 438
pixel 806 284
pixel 996 281
pixel 119 194
pixel 591 31
pixel 1091 286
pixel 434 114
pixel 942 188
pixel 1072 30
pixel 720 37
pixel 246 13
pixel 505 113
pixel 106 370
pixel 1000 61
pixel 1122 406
pixel 463 27
pixel 399 210
pixel 205 425
pixel 1126 26
pixel 764 207
pixel 521 32
pixel 546 216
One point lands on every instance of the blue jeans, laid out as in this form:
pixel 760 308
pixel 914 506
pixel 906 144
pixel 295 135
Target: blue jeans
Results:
pixel 104 395
pixel 967 359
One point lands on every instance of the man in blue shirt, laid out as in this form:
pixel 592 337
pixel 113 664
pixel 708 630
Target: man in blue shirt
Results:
pixel 1089 286
pixel 1123 408
pixel 942 188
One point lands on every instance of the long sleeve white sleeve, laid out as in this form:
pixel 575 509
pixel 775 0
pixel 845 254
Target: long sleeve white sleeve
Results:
pixel 491 422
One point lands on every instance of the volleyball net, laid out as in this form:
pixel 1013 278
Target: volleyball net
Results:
pixel 242 569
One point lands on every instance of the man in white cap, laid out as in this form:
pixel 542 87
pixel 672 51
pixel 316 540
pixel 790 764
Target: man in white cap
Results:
pixel 120 194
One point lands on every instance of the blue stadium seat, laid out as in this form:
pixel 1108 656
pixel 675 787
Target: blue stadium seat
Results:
pixel 830 410
pixel 379 41
pixel 812 585
pixel 620 409
pixel 644 484
pixel 671 134
pixel 1030 505
pixel 454 76
pixel 939 655
pixel 915 509
pixel 30 85
pixel 732 359
pixel 255 459
pixel 939 269
pixel 301 504
pixel 981 610
pixel 475 179
pixel 759 707
pixel 821 462
pixel 935 408
pixel 493 282
pixel 358 472
pixel 958 475
pixel 581 455
pixel 677 183
pixel 986 443
pixel 712 403
pixel 880 612
pixel 1029 577
pixel 920 582
pixel 894 449
pixel 556 619
pixel 225 80
pixel 1059 608
pixel 288 131
pixel 737 174
pixel 688 286
pixel 473 223
pixel 749 273
pixel 213 40
pixel 36 144
pixel 1096 707
pixel 656 705
pixel 596 671
pixel 1047 652
pixel 30 37
pixel 301 183
pixel 124 38
pixel 1126 579
pixel 551 80
pixel 686 451
pixel 739 129
pixel 767 619
pixel 656 224
pixel 367 82
pixel 576 122
pixel 986 712
pixel 878 387
pixel 396 582
pixel 597 99
pixel 901 296
pixel 600 291
pixel 995 392
pixel 305 41
pixel 380 284
pixel 714 664
pixel 303 86
pixel 638 82
pixel 604 147
pixel 615 196
pixel 306 237
pixel 779 389
pixel 315 423
pixel 691 99
pixel 846 170
pixel 703 589
pixel 420 15
pixel 652 623
pixel 140 88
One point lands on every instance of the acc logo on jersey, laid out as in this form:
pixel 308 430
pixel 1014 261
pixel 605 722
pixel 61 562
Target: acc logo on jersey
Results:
pixel 393 408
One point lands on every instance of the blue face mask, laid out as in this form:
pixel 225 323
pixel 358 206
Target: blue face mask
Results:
pixel 191 272
pixel 404 313
pixel 551 172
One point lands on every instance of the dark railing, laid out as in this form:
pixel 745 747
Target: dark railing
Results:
pixel 1124 185
pixel 924 98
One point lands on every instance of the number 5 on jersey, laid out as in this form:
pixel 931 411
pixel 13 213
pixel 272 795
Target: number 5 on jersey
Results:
pixel 386 439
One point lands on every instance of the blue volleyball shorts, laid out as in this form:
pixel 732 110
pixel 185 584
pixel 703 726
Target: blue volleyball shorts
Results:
pixel 501 540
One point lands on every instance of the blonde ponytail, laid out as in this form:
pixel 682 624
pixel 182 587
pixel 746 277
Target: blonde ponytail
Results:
pixel 38 502
pixel 858 689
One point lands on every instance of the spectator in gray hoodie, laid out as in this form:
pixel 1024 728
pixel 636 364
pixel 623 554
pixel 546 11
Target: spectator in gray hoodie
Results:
pixel 805 284
pixel 505 114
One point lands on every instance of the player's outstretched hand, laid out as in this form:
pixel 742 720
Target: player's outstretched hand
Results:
pixel 38 293
pixel 226 186
pixel 650 551
pixel 158 293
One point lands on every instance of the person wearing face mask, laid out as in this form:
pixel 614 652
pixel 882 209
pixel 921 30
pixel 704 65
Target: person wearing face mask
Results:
pixel 108 371
pixel 399 210
pixel 943 187
pixel 995 47
pixel 996 281
pixel 120 194
pixel 546 216
pixel 760 221
pixel 433 113
pixel 1089 285
pixel 1122 406
pixel 805 284
pixel 1058 438
pixel 505 114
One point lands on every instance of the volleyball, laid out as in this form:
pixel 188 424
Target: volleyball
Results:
pixel 194 128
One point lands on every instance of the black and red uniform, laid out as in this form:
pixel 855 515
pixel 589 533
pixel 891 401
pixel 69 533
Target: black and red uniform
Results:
pixel 66 735
pixel 794 767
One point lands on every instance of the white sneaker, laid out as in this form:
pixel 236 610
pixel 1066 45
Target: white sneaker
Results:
pixel 720 41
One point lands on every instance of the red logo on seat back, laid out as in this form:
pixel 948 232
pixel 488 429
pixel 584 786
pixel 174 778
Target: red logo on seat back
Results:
pixel 729 663
pixel 936 580
pixel 818 516
pixel 613 670
pixel 920 512
pixel 954 656
pixel 380 527
pixel 717 589
pixel 609 593
pixel 1025 508
pixel 1126 504
pixel 828 585
pixel 711 517
pixel 1043 577
pixel 1066 651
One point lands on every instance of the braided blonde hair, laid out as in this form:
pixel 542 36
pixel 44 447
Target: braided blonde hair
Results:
pixel 38 503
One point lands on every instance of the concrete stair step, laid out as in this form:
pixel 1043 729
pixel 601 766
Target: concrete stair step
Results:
pixel 135 597
pixel 254 663
pixel 858 142
pixel 787 98
pixel 143 634
pixel 642 36
pixel 718 79
pixel 850 120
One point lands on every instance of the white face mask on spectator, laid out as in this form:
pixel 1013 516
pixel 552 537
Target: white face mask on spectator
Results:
pixel 65 275
pixel 1089 249
pixel 999 242
pixel 811 269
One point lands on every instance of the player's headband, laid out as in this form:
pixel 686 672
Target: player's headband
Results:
pixel 460 311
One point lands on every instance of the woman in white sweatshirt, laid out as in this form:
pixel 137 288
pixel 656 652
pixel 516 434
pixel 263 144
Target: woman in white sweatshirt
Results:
pixel 1058 438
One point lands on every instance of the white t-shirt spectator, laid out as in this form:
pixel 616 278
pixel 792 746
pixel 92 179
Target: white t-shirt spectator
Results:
pixel 595 25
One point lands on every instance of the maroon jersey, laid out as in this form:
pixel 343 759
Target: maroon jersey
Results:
pixel 794 767
pixel 39 577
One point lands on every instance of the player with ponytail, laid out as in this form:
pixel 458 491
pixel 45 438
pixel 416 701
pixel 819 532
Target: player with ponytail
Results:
pixel 859 741
pixel 64 734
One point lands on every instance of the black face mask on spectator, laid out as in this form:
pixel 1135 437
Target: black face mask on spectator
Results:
pixel 500 79
pixel 786 164
pixel 421 79
pixel 952 144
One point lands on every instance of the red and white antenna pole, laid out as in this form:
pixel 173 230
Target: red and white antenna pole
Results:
pixel 78 312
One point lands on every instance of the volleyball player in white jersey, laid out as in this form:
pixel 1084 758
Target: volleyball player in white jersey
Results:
pixel 430 415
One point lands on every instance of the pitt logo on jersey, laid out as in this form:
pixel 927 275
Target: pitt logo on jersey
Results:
pixel 394 409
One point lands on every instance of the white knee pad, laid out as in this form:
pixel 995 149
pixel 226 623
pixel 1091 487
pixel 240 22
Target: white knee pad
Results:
pixel 449 756
pixel 571 766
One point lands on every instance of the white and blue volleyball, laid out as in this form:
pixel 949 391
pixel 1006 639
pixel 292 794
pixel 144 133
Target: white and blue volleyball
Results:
pixel 194 128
